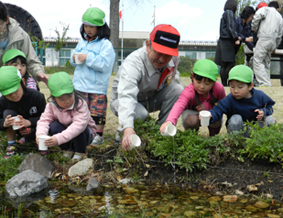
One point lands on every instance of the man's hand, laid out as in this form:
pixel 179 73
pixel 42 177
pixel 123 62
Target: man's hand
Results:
pixel 128 132
pixel 43 77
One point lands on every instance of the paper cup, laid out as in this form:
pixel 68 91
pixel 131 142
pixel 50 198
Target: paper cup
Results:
pixel 76 59
pixel 16 118
pixel 135 141
pixel 41 144
pixel 170 130
pixel 204 118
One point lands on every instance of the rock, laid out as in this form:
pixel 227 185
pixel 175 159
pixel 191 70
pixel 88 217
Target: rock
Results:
pixel 251 208
pixel 261 204
pixel 92 184
pixel 81 168
pixel 214 198
pixel 238 192
pixel 125 181
pixel 130 190
pixel 280 210
pixel 252 188
pixel 37 164
pixel 273 216
pixel 26 183
pixel 230 198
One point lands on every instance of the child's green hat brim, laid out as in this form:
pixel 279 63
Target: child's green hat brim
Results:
pixel 11 54
pixel 60 83
pixel 206 68
pixel 94 17
pixel 241 73
pixel 10 80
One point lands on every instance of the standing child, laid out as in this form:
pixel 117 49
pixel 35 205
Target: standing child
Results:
pixel 66 118
pixel 17 58
pixel 202 94
pixel 244 103
pixel 228 42
pixel 17 100
pixel 92 76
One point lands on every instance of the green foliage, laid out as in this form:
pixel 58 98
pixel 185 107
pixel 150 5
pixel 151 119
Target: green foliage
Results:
pixel 240 56
pixel 192 151
pixel 61 39
pixel 40 43
pixel 186 65
pixel 243 3
pixel 9 167
pixel 50 70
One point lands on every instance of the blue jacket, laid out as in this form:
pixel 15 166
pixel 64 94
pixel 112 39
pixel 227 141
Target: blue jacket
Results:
pixel 244 31
pixel 244 107
pixel 92 76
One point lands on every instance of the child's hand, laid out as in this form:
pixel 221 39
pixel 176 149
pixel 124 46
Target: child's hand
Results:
pixel 200 107
pixel 237 42
pixel 164 125
pixel 50 142
pixel 82 57
pixel 22 122
pixel 8 121
pixel 260 114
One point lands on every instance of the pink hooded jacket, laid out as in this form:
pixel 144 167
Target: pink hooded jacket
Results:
pixel 75 120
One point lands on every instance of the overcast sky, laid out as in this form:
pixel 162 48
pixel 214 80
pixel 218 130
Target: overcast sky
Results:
pixel 194 19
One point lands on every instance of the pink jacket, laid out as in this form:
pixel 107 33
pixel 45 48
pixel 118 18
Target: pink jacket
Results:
pixel 187 100
pixel 76 121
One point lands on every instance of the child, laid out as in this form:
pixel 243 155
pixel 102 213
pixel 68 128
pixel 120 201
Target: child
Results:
pixel 17 58
pixel 66 118
pixel 202 94
pixel 17 100
pixel 244 103
pixel 91 78
pixel 228 42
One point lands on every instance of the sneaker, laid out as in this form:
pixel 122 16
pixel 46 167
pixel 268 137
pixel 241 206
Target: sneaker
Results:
pixel 10 150
pixel 98 140
pixel 68 154
pixel 22 140
pixel 78 157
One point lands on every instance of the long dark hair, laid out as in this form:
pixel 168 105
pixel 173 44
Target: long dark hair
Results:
pixel 102 32
pixel 78 98
pixel 3 12
pixel 231 5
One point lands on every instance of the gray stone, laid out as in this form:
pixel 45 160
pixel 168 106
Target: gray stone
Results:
pixel 81 168
pixel 92 184
pixel 37 164
pixel 26 183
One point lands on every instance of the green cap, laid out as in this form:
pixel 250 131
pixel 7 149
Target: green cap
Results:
pixel 10 80
pixel 94 17
pixel 241 73
pixel 12 53
pixel 206 68
pixel 60 83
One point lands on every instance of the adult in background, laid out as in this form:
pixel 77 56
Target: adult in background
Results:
pixel 226 46
pixel 244 26
pixel 280 46
pixel 146 81
pixel 268 24
pixel 12 36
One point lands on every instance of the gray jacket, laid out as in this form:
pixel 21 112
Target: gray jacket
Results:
pixel 137 81
pixel 268 23
pixel 20 40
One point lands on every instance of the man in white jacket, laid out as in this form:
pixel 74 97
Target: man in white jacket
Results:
pixel 145 81
pixel 268 24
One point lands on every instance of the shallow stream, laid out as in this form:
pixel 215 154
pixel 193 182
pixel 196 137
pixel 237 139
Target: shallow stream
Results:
pixel 140 200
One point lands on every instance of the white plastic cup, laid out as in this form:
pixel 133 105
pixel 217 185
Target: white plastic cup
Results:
pixel 41 144
pixel 170 130
pixel 204 118
pixel 135 141
pixel 15 118
pixel 77 61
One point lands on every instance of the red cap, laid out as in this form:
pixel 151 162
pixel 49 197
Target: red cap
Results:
pixel 260 5
pixel 165 39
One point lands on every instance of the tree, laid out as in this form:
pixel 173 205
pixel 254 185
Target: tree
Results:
pixel 114 19
pixel 60 40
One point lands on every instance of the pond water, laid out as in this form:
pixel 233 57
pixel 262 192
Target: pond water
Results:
pixel 140 200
